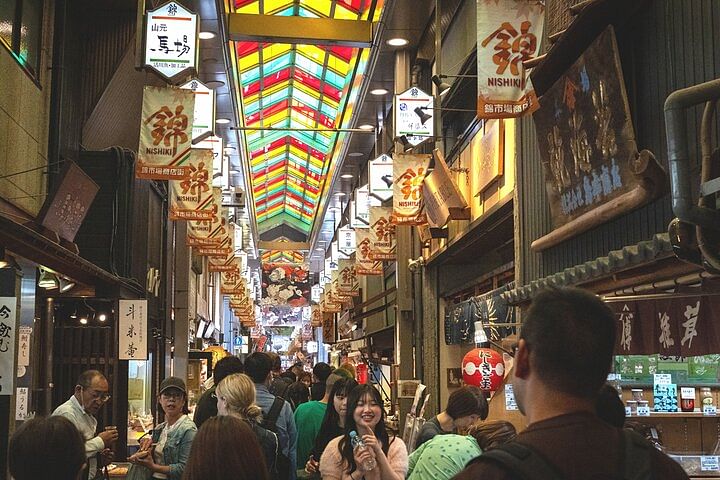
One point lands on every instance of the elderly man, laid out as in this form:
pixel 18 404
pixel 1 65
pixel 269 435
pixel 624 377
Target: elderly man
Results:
pixel 91 393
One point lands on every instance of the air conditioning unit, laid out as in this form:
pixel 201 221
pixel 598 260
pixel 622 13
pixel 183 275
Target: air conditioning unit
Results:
pixel 235 197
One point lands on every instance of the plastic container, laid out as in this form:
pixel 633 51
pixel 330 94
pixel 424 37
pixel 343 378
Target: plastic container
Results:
pixel 357 442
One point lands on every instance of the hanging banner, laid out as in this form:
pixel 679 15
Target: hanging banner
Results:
pixel 348 283
pixel 192 198
pixel 328 326
pixel 285 284
pixel 231 282
pixel 508 33
pixel 442 197
pixel 223 251
pixel 346 240
pixel 8 324
pixel 335 252
pixel 132 328
pixel 414 116
pixel 165 134
pixel 171 36
pixel 380 180
pixel 204 111
pixel 208 232
pixel 364 265
pixel 221 260
pixel 330 264
pixel 316 316
pixel 330 307
pixel 409 172
pixel 382 237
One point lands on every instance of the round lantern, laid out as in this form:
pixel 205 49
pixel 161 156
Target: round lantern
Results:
pixel 484 368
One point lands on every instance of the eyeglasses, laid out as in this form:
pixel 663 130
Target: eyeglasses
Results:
pixel 172 394
pixel 95 395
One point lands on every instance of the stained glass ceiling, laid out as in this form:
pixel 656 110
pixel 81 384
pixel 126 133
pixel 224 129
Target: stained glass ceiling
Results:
pixel 297 86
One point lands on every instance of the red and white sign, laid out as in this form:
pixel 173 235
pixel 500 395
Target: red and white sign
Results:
pixel 171 35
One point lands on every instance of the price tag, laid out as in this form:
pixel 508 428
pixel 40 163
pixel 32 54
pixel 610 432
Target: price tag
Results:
pixel 709 463
pixel 643 411
pixel 662 379
pixel 710 410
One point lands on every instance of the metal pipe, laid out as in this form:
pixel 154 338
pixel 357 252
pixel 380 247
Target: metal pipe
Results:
pixel 690 279
pixel 705 242
pixel 297 129
pixel 678 156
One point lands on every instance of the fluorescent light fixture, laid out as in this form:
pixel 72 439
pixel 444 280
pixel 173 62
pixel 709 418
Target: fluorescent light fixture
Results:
pixel 222 121
pixel 356 154
pixel 397 42
pixel 367 127
pixel 48 280
pixel 66 284
pixel 347 175
pixel 378 91
pixel 339 194
pixel 206 35
pixel 83 320
pixel 215 83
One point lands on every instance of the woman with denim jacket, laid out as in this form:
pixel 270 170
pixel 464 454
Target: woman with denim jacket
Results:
pixel 166 454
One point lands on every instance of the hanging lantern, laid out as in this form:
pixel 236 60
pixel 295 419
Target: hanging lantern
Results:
pixel 483 367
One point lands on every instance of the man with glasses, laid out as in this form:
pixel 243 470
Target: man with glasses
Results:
pixel 91 393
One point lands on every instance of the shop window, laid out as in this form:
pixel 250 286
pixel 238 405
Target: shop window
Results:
pixel 20 32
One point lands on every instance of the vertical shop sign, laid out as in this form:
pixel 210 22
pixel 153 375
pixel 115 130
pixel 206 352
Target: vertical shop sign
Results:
pixel 442 196
pixel 363 199
pixel 346 240
pixel 409 172
pixel 382 234
pixel 364 265
pixel 348 283
pixel 204 111
pixel 380 175
pixel 25 334
pixel 165 133
pixel 192 198
pixel 414 116
pixel 21 403
pixel 212 231
pixel 132 327
pixel 8 323
pixel 509 33
pixel 171 35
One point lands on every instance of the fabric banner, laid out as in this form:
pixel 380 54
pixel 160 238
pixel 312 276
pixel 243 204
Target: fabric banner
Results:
pixel 442 196
pixel 192 198
pixel 409 171
pixel 316 316
pixel 508 33
pixel 165 134
pixel 232 282
pixel 223 251
pixel 328 326
pixel 209 232
pixel 346 240
pixel 285 284
pixel 382 228
pixel 364 265
pixel 348 283
pixel 685 326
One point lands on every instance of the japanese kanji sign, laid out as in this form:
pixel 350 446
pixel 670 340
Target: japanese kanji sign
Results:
pixel 208 232
pixel 24 346
pixel 363 199
pixel 364 265
pixel 413 115
pixel 380 174
pixel 408 175
pixel 192 198
pixel 382 234
pixel 509 32
pixel 165 134
pixel 132 333
pixel 348 283
pixel 8 324
pixel 346 240
pixel 171 35
pixel 585 134
pixel 204 111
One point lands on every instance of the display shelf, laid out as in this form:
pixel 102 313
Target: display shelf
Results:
pixel 695 414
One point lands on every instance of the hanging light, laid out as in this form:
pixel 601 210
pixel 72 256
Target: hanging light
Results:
pixel 102 317
pixel 424 117
pixel 83 320
pixel 66 284
pixel 48 280
pixel 441 86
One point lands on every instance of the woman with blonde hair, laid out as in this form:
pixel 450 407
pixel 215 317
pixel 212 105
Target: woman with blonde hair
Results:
pixel 236 397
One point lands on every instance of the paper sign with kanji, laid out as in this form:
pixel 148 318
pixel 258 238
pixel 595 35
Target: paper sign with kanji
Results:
pixel 208 232
pixel 408 174
pixel 348 283
pixel 508 33
pixel 132 333
pixel 364 265
pixel 382 233
pixel 192 198
pixel 165 134
pixel 204 112
pixel 8 325
pixel 171 35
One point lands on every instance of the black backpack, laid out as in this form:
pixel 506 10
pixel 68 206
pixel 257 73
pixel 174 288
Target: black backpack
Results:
pixel 524 463
pixel 282 464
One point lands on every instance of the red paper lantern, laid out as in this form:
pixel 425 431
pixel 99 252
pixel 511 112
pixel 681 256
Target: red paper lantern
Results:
pixel 484 368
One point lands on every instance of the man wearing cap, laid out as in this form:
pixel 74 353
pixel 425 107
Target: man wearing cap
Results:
pixel 91 393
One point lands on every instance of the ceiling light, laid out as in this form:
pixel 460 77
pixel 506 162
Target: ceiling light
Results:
pixel 83 320
pixel 235 171
pixel 3 262
pixel 347 175
pixel 74 314
pixel 367 126
pixel 66 284
pixel 333 209
pixel 102 317
pixel 441 86
pixel 48 280
pixel 339 194
pixel 206 35
pixel 356 154
pixel 215 83
pixel 397 42
pixel 378 91
pixel 229 149
pixel 222 121
pixel 424 117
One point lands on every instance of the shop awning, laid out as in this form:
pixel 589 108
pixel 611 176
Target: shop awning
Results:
pixel 39 249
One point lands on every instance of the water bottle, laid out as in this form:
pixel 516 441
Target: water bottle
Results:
pixel 356 443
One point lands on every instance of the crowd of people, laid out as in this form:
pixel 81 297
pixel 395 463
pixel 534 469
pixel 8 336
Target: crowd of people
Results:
pixel 255 423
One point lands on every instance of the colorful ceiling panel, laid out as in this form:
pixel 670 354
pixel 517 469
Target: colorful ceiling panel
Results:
pixel 282 256
pixel 302 89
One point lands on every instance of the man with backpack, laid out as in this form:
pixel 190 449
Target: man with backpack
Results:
pixel 562 360
pixel 277 413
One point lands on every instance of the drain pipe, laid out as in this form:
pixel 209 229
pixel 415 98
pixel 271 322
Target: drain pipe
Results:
pixel 707 239
pixel 678 157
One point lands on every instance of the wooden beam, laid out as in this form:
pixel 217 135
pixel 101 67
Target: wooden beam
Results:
pixel 313 31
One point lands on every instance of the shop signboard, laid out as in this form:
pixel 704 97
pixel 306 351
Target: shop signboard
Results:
pixel 165 134
pixel 364 265
pixel 380 181
pixel 382 236
pixel 360 216
pixel 192 198
pixel 285 284
pixel 585 134
pixel 409 171
pixel 209 232
pixel 21 406
pixel 414 116
pixel 508 33
pixel 8 324
pixel 442 197
pixel 204 112
pixel 316 316
pixel 132 328
pixel 24 340
pixel 171 36
pixel 330 264
pixel 328 326
pixel 223 252
pixel 348 283
pixel 346 241
pixel 315 293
